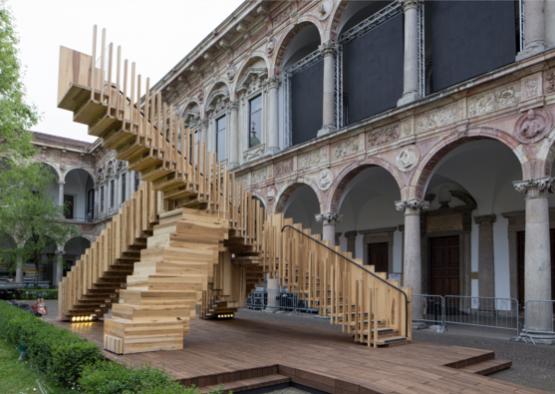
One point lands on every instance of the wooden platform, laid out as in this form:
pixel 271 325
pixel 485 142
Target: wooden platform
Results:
pixel 257 347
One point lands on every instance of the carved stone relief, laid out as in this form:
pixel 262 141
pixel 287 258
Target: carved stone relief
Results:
pixel 260 175
pixel 254 153
pixel 325 179
pixel 439 117
pixel 383 135
pixel 345 148
pixel 407 158
pixel 549 81
pixel 312 159
pixel 498 99
pixel 533 125
pixel 283 168
pixel 531 87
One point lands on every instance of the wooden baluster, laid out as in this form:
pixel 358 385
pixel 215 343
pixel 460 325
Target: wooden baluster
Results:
pixel 93 62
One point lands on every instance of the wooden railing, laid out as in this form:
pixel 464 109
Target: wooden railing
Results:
pixel 156 142
pixel 102 268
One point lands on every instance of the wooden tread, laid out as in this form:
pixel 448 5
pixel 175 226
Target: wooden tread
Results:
pixel 248 384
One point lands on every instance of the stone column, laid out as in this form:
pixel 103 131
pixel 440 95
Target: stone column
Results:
pixel 410 65
pixel 61 193
pixel 537 254
pixel 273 116
pixel 59 267
pixel 18 268
pixel 328 108
pixel 233 134
pixel 549 25
pixel 534 28
pixel 485 255
pixel 328 220
pixel 412 256
pixel 272 288
pixel 211 133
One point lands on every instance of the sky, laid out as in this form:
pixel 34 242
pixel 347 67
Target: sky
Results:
pixel 156 34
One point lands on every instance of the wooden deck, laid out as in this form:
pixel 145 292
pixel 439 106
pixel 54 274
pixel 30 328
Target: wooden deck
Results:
pixel 313 353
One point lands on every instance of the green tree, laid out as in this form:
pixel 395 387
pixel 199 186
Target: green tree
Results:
pixel 27 213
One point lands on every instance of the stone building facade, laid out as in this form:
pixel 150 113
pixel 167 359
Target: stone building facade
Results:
pixel 417 135
pixel 91 184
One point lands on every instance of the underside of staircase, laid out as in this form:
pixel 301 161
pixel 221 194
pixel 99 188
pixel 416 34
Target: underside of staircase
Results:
pixel 209 241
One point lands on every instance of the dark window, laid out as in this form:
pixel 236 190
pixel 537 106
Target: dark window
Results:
pixel 468 38
pixel 137 181
pixel 373 71
pixel 112 193
pixel 101 198
pixel 255 121
pixel 123 187
pixel 221 138
pixel 306 102
pixel 90 204
pixel 68 206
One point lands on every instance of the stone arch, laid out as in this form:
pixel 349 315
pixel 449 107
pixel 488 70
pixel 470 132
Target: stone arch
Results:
pixel 87 170
pixel 425 169
pixel 55 169
pixel 545 157
pixel 258 196
pixel 287 190
pixel 218 89
pixel 339 188
pixel 290 34
pixel 336 18
pixel 246 70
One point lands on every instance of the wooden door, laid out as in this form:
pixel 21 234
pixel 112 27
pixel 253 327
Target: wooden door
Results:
pixel 378 256
pixel 444 265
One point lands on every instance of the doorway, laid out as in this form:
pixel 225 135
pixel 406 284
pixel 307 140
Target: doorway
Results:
pixel 445 265
pixel 378 256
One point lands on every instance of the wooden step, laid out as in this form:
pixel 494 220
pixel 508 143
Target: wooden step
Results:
pixel 488 367
pixel 248 384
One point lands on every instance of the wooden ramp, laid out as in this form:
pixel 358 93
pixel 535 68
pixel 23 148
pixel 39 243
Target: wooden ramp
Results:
pixel 214 240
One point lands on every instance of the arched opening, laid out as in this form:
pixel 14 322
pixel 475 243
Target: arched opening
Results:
pixel 251 96
pixel 471 231
pixel 39 265
pixel 369 225
pixel 302 87
pixel 468 38
pixel 191 114
pixel 53 189
pixel 79 195
pixel 73 249
pixel 300 203
pixel 7 256
pixel 370 58
pixel 218 121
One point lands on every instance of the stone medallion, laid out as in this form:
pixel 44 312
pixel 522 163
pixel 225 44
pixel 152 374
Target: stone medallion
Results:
pixel 407 158
pixel 325 179
pixel 533 126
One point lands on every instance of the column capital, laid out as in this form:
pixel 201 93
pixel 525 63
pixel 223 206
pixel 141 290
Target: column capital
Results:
pixel 233 105
pixel 412 204
pixel 328 48
pixel 485 219
pixel 408 4
pixel 538 185
pixel 272 82
pixel 328 217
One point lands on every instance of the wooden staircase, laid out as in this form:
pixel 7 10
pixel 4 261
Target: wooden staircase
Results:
pixel 93 283
pixel 213 240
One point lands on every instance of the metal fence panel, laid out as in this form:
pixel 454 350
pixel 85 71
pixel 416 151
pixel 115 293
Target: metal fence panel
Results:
pixel 482 311
pixel 431 308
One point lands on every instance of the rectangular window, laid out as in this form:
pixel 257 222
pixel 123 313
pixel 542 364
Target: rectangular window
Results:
pixel 101 198
pixel 112 193
pixel 221 139
pixel 137 181
pixel 255 121
pixel 123 188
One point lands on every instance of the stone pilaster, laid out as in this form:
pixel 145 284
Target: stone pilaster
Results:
pixel 410 64
pixel 534 28
pixel 61 185
pixel 233 134
pixel 273 116
pixel 537 253
pixel 486 267
pixel 328 109
pixel 328 219
pixel 59 264
pixel 412 262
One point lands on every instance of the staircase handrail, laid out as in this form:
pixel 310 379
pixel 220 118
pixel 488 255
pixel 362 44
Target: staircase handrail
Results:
pixel 351 261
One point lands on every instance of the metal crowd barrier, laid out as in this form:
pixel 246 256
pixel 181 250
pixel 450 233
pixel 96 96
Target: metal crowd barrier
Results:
pixel 258 300
pixel 501 313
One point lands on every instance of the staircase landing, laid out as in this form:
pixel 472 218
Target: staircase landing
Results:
pixel 258 347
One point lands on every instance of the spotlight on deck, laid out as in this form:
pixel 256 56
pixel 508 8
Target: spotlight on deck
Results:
pixel 86 318
pixel 225 316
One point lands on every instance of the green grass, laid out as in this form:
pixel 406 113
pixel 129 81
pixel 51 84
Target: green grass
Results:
pixel 17 377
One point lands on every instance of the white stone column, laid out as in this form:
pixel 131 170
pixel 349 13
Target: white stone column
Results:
pixel 328 220
pixel 18 268
pixel 272 288
pixel 233 134
pixel 412 256
pixel 486 266
pixel 61 193
pixel 537 254
pixel 273 116
pixel 549 23
pixel 211 133
pixel 534 28
pixel 328 108
pixel 59 267
pixel 410 64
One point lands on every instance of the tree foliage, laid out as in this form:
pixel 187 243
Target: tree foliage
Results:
pixel 16 116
